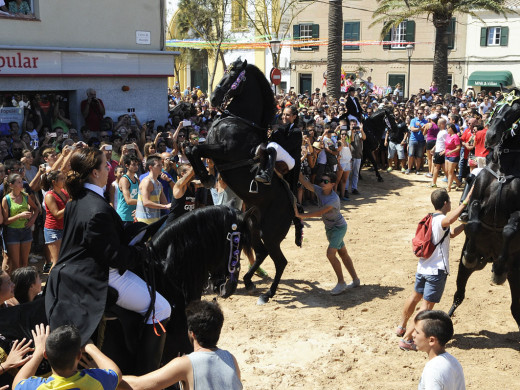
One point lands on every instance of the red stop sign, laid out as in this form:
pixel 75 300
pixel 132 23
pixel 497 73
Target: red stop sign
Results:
pixel 276 76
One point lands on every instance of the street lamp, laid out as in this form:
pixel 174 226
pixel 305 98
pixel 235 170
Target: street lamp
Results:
pixel 409 51
pixel 275 49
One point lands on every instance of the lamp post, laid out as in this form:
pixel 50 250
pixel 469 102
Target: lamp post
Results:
pixel 409 52
pixel 275 50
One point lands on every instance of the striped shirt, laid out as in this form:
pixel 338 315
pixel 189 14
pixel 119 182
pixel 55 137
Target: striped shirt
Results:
pixel 146 214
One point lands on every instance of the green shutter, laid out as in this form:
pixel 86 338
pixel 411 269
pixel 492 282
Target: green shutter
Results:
pixel 296 34
pixel 387 38
pixel 450 32
pixel 351 33
pixel 315 34
pixel 504 36
pixel 483 36
pixel 410 31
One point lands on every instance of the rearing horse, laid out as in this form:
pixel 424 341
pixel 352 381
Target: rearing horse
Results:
pixel 493 229
pixel 248 106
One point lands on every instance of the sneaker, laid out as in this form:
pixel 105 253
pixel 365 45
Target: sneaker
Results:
pixel 345 198
pixel 355 192
pixel 428 175
pixel 261 272
pixel 390 169
pixel 354 283
pixel 407 345
pixel 431 185
pixel 403 170
pixel 33 259
pixel 407 172
pixel 339 289
pixel 47 268
pixel 418 173
pixel 400 331
pixel 444 179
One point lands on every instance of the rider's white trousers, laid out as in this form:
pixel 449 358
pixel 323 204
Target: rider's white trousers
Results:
pixel 282 155
pixel 134 295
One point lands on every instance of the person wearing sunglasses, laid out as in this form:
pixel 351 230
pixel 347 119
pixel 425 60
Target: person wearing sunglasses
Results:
pixel 335 229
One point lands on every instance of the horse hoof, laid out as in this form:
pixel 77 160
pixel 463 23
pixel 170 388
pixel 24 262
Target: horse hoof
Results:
pixel 499 278
pixel 262 300
pixel 468 264
pixel 250 287
pixel 380 179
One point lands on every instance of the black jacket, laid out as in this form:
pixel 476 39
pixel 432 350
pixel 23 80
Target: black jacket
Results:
pixel 352 109
pixel 289 137
pixel 93 241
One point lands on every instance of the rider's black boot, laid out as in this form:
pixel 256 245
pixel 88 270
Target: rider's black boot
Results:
pixel 152 348
pixel 469 183
pixel 265 176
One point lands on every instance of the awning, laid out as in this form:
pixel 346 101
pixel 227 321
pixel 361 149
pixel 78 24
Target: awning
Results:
pixel 491 78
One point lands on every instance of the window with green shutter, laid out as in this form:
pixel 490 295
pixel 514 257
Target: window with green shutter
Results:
pixel 494 36
pixel 450 32
pixel 400 35
pixel 306 31
pixel 351 33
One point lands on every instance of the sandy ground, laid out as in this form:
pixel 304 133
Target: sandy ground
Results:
pixel 305 338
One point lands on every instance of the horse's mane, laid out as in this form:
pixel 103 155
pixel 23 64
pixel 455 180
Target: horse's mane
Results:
pixel 267 94
pixel 380 112
pixel 187 248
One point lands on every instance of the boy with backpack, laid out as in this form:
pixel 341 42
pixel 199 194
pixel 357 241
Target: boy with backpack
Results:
pixel 432 269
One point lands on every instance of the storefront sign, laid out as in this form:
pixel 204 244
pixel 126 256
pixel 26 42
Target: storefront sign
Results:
pixel 142 37
pixel 81 63
pixel 11 114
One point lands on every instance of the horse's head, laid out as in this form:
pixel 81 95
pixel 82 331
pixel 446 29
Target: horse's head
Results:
pixel 503 122
pixel 231 84
pixel 241 234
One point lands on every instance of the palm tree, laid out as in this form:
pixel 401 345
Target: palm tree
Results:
pixel 440 12
pixel 334 52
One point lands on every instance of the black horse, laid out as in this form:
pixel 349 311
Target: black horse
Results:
pixel 200 249
pixel 181 111
pixel 493 229
pixel 374 128
pixel 248 107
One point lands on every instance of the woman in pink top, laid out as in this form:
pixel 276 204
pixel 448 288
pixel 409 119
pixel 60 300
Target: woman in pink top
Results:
pixel 452 154
pixel 430 133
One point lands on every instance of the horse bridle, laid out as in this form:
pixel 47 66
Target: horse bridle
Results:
pixel 236 89
pixel 233 266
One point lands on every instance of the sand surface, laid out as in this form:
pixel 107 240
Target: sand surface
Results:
pixel 304 338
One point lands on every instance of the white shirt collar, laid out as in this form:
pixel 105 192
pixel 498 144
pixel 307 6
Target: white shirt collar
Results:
pixel 92 187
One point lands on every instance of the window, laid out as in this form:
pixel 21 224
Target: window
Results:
pixel 239 17
pixel 449 81
pixel 394 79
pixel 450 32
pixel 494 36
pixel 306 31
pixel 351 33
pixel 400 36
pixel 22 10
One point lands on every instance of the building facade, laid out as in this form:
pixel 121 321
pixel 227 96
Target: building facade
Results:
pixel 492 57
pixel 386 64
pixel 68 46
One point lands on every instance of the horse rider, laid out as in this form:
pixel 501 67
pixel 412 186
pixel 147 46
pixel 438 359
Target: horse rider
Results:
pixel 353 106
pixel 285 145
pixel 94 255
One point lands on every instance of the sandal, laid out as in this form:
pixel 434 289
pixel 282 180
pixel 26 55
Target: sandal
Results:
pixel 400 331
pixel 407 345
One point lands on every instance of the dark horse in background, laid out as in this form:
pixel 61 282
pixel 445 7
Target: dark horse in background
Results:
pixel 374 127
pixel 493 229
pixel 199 250
pixel 248 107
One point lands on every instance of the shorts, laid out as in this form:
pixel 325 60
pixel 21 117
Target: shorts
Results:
pixel 438 159
pixel 430 144
pixel 431 286
pixel 52 235
pixel 395 148
pixel 346 166
pixel 453 159
pixel 17 236
pixel 335 236
pixel 416 149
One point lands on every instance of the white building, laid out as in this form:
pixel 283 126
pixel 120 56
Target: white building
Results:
pixel 71 45
pixel 492 53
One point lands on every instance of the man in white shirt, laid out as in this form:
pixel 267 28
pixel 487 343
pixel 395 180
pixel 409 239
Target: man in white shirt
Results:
pixel 431 274
pixel 433 329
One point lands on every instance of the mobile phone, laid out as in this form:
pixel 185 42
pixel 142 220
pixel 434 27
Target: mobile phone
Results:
pixel 65 136
pixel 343 127
pixel 108 147
pixel 130 147
pixel 52 135
pixel 186 123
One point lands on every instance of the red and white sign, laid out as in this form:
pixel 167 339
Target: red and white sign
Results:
pixel 80 63
pixel 276 76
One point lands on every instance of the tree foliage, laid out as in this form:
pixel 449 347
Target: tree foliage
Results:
pixel 440 12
